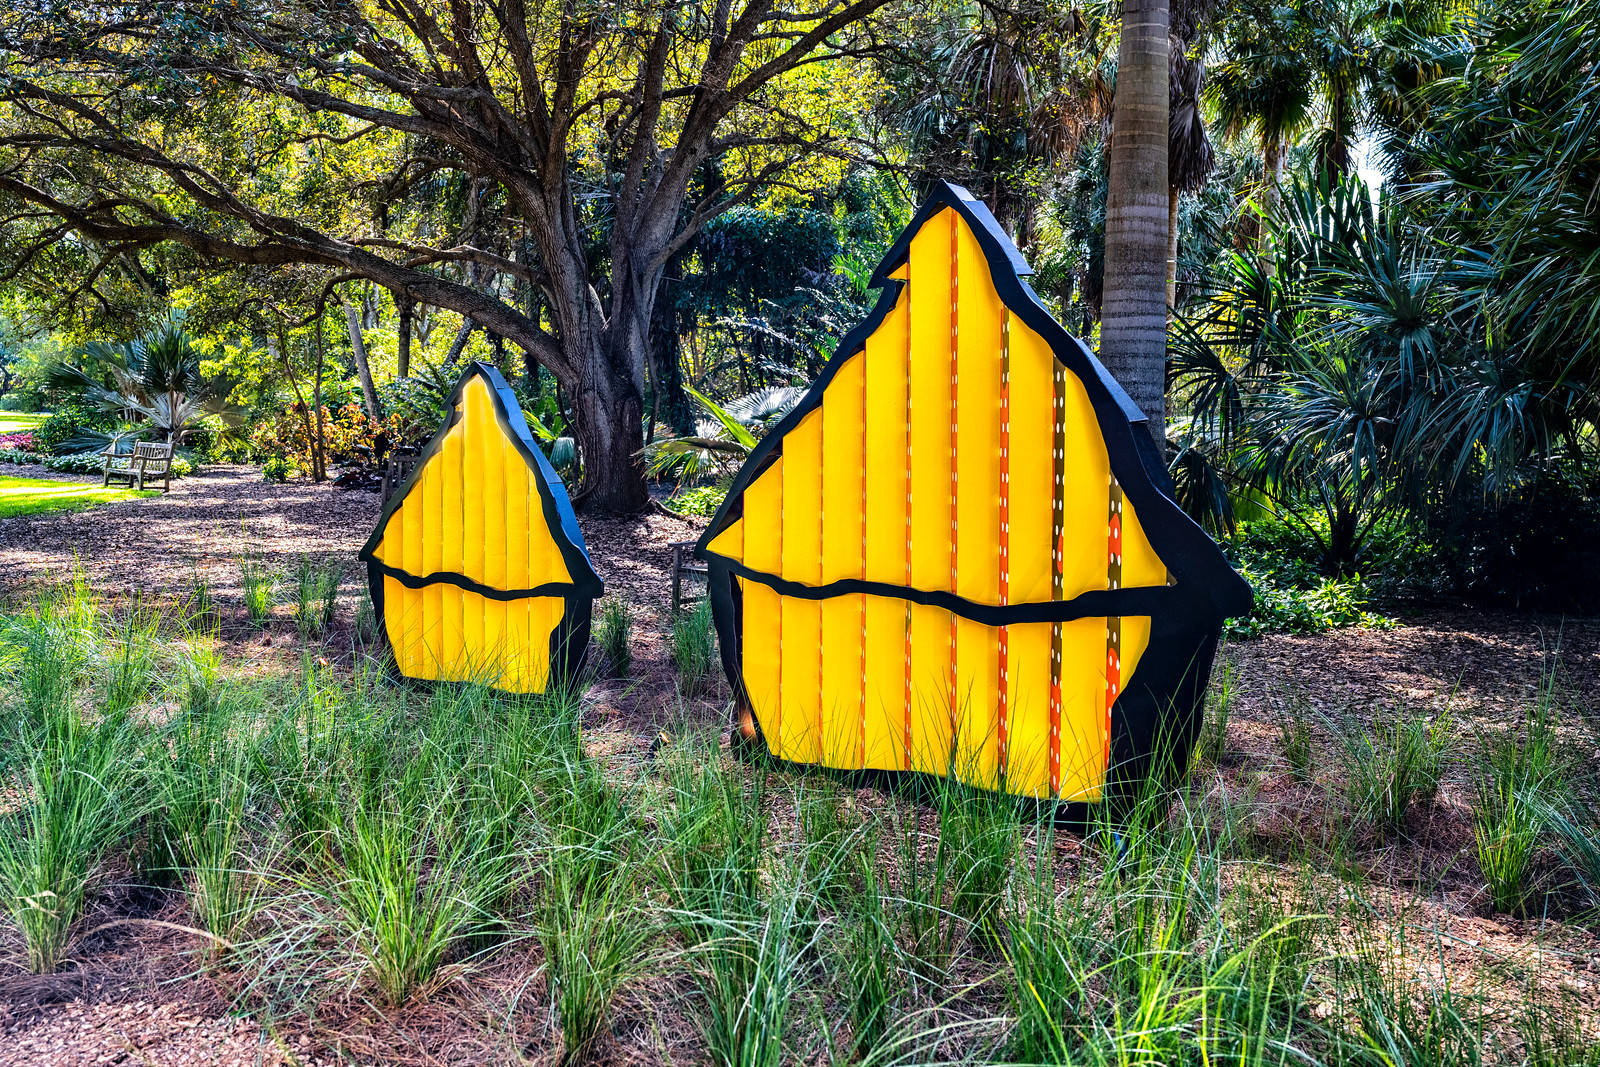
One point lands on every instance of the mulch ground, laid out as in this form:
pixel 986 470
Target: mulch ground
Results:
pixel 126 1001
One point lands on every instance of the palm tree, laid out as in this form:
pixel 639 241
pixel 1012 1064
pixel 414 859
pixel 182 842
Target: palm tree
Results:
pixel 1133 311
pixel 155 377
pixel 1265 90
pixel 1190 158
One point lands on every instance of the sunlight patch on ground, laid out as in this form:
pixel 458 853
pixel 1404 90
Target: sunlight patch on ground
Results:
pixel 29 496
pixel 18 421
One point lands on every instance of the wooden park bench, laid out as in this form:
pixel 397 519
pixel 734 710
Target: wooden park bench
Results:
pixel 397 468
pixel 148 460
pixel 684 565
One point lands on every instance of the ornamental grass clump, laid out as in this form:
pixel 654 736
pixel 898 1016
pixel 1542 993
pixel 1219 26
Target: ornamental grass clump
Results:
pixel 1517 793
pixel 613 637
pixel 258 582
pixel 691 650
pixel 316 587
pixel 73 777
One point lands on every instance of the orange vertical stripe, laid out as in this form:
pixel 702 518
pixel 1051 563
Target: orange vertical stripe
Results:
pixel 1058 455
pixel 909 282
pixel 955 349
pixel 1002 725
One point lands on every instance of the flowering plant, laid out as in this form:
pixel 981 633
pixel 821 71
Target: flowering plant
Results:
pixel 20 442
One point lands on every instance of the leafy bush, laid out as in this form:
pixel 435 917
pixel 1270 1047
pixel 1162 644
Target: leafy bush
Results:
pixel 19 442
pixel 68 421
pixel 703 502
pixel 1293 594
pixel 276 469
pixel 94 463
pixel 345 430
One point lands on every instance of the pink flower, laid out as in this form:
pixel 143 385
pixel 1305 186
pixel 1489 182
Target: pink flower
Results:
pixel 22 442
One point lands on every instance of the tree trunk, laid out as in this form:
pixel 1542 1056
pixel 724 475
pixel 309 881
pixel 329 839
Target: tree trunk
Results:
pixel 459 345
pixel 403 340
pixel 1133 310
pixel 1173 196
pixel 608 423
pixel 319 447
pixel 358 347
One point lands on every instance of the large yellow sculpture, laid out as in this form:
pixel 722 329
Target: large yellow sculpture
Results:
pixel 952 557
pixel 477 567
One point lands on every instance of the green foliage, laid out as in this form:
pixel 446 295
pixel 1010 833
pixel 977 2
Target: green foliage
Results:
pixel 87 462
pixel 702 502
pixel 1394 764
pixel 71 419
pixel 613 637
pixel 276 469
pixel 316 586
pixel 691 649
pixel 1520 784
pixel 1219 705
pixel 258 581
pixel 1292 592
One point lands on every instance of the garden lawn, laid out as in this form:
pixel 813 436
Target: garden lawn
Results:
pixel 18 421
pixel 30 496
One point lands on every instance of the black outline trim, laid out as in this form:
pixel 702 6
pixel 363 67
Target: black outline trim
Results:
pixel 569 641
pixel 1136 600
pixel 1186 616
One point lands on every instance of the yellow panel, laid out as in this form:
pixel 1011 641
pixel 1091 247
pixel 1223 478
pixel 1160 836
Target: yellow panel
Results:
pixel 802 501
pixel 1032 370
pixel 977 691
pixel 1140 564
pixel 885 445
pixel 843 444
pixel 1135 639
pixel 730 542
pixel 761 659
pixel 930 689
pixel 800 686
pixel 519 511
pixel 399 611
pixel 763 515
pixel 885 683
pixel 470 458
pixel 1083 708
pixel 841 711
pixel 931 369
pixel 1086 496
pixel 979 345
pixel 1028 767
pixel 444 621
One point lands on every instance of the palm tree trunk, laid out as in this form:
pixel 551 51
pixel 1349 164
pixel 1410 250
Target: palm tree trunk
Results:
pixel 359 348
pixel 1133 314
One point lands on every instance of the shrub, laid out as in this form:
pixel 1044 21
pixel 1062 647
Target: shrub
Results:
pixel 67 422
pixel 94 463
pixel 259 582
pixel 346 429
pixel 702 502
pixel 17 442
pixel 275 469
pixel 316 594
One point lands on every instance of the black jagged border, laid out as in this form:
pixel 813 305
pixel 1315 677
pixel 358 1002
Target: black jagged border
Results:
pixel 1186 616
pixel 569 641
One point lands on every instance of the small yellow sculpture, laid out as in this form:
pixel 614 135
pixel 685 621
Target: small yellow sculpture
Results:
pixel 477 567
